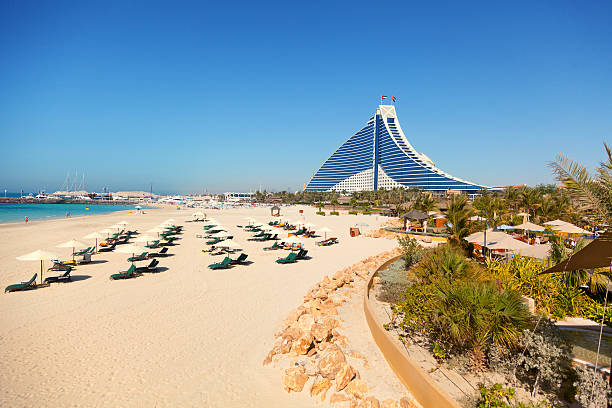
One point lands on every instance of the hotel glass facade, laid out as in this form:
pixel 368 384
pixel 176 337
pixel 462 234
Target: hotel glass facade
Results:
pixel 380 156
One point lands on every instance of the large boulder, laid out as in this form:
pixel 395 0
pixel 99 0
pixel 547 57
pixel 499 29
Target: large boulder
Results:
pixel 294 379
pixel 344 376
pixel 331 361
pixel 305 322
pixel 320 387
pixel 369 402
pixel 301 345
pixel 389 403
pixel 405 402
pixel 357 388
pixel 320 331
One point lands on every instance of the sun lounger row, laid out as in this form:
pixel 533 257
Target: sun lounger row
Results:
pixel 134 271
pixel 328 241
pixel 293 257
pixel 228 262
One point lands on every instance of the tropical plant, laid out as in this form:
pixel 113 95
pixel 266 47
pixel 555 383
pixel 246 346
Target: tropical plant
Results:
pixel 411 249
pixel 458 215
pixel 473 315
pixel 592 194
pixel 446 263
pixel 592 390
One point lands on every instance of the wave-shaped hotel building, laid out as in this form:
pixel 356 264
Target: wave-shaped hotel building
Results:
pixel 380 156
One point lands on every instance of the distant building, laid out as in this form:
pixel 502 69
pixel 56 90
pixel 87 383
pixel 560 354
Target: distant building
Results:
pixel 380 156
pixel 238 196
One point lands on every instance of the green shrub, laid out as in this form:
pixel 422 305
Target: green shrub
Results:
pixel 366 212
pixel 353 212
pixel 411 249
pixel 591 388
pixel 334 213
pixel 474 315
pixel 320 213
pixel 496 396
pixel 447 262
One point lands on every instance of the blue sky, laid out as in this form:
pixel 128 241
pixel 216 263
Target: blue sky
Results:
pixel 228 95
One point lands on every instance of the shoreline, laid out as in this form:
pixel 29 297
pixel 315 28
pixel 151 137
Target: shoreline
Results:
pixel 76 217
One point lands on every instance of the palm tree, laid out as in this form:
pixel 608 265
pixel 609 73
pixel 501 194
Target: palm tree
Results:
pixel 592 194
pixel 512 196
pixel 530 199
pixel 459 213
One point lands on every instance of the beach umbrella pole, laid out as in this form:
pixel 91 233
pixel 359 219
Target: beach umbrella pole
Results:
pixel 41 272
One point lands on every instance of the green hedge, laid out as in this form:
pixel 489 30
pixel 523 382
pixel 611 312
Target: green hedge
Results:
pixel 353 212
pixel 320 212
pixel 334 213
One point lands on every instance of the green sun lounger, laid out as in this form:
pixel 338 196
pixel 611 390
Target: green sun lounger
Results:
pixel 140 257
pixel 154 244
pixel 275 246
pixel 288 259
pixel 63 278
pixel 21 286
pixel 82 251
pixel 213 241
pixel 225 263
pixel 241 258
pixel 130 273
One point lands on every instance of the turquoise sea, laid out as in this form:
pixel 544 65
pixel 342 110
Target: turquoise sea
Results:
pixel 16 212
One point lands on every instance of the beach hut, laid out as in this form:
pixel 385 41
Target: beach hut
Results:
pixel 275 211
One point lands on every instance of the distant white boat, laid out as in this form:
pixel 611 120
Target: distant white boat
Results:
pixel 41 196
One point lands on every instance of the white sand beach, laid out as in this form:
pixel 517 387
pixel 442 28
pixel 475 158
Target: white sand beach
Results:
pixel 188 336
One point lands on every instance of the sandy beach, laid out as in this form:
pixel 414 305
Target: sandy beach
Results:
pixel 187 336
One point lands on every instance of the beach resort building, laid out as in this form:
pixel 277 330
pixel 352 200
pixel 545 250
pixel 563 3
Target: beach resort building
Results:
pixel 380 156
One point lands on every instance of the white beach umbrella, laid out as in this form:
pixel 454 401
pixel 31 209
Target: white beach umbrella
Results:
pixel 310 225
pixel 557 222
pixel 293 240
pixel 169 220
pixel 73 243
pixel 131 249
pixel 492 236
pixel 41 256
pixel 570 229
pixel 96 235
pixel 144 238
pixel 529 226
pixel 221 234
pixel 228 243
pixel 325 230
pixel 124 223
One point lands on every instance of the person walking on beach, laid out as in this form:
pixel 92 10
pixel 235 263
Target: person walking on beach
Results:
pixel 26 220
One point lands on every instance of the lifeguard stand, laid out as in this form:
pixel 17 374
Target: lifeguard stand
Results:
pixel 275 211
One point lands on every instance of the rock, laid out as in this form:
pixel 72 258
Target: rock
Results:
pixel 292 333
pixel 369 402
pixel 405 402
pixel 336 299
pixel 294 379
pixel 305 322
pixel 357 388
pixel 344 376
pixel 330 322
pixel 331 361
pixel 376 280
pixel 312 370
pixel 311 352
pixel 301 345
pixel 320 387
pixel 268 358
pixel 294 316
pixel 336 398
pixel 285 346
pixel 389 403
pixel 320 332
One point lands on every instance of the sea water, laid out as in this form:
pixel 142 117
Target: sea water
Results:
pixel 16 212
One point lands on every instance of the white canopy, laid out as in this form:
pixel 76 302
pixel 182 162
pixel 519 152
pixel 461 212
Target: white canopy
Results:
pixel 156 229
pixel 39 255
pixel 478 237
pixel 145 238
pixel 556 222
pixel 130 249
pixel 508 243
pixel 96 235
pixel 228 243
pixel 325 229
pixel 73 243
pixel 220 234
pixel 293 240
pixel 570 229
pixel 124 223
pixel 310 225
pixel 529 226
